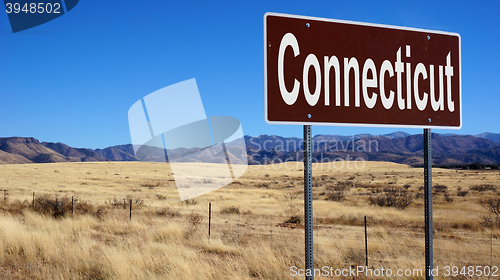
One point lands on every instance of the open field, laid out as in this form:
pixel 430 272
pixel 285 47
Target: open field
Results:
pixel 254 233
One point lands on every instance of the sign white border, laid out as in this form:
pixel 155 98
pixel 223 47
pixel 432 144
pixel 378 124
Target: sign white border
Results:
pixel 364 24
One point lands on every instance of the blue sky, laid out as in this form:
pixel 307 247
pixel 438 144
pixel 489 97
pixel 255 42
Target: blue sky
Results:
pixel 73 79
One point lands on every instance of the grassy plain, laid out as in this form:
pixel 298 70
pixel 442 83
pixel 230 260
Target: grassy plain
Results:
pixel 250 236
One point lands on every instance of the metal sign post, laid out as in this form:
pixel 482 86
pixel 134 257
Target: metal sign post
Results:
pixel 308 207
pixel 428 203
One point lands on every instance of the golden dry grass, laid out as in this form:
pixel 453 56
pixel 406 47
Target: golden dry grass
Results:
pixel 164 239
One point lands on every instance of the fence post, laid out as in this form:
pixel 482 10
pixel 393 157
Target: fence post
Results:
pixel 317 243
pixel 366 245
pixel 491 252
pixel 131 209
pixel 271 231
pixel 72 204
pixel 4 194
pixel 239 216
pixel 209 218
pixel 33 204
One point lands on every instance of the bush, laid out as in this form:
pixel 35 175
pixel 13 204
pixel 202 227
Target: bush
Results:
pixel 475 166
pixel 295 219
pixel 440 188
pixel 14 206
pixel 462 193
pixel 125 203
pixel 490 222
pixel 392 197
pixel 161 196
pixel 167 212
pixel 338 196
pixel 483 187
pixel 492 205
pixel 290 206
pixel 190 201
pixel 60 207
pixel 194 220
pixel 230 210
pixel 350 220
pixel 344 185
pixel 447 197
pixel 354 257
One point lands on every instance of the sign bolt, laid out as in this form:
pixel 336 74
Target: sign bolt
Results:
pixel 429 119
pixel 307 24
pixel 308 116
pixel 428 37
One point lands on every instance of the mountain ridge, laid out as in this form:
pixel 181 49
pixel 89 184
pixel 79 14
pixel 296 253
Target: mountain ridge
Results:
pixel 400 147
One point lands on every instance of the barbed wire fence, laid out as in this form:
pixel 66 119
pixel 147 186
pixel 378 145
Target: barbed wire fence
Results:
pixel 378 245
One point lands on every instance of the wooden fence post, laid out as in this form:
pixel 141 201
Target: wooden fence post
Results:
pixel 366 245
pixel 131 209
pixel 209 218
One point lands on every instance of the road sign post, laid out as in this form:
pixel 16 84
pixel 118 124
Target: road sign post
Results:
pixel 428 203
pixel 308 201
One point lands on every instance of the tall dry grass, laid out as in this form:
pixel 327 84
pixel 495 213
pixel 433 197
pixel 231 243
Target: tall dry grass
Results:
pixel 166 240
pixel 40 247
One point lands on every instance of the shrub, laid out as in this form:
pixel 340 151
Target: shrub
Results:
pixel 447 197
pixel 290 206
pixel 60 207
pixel 264 185
pixel 167 212
pixel 190 201
pixel 392 197
pixel 354 257
pixel 440 188
pixel 125 203
pixel 345 185
pixel 295 219
pixel 230 210
pixel 338 196
pixel 161 196
pixel 483 187
pixel 490 222
pixel 492 205
pixel 194 220
pixel 462 193
pixel 350 220
pixel 475 166
pixel 342 186
pixel 14 206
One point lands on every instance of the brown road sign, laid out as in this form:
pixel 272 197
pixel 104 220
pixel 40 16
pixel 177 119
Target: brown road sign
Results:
pixel 331 72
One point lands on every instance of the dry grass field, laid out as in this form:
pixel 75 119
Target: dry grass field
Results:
pixel 256 230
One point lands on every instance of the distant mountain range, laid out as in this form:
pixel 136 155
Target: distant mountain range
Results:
pixel 400 147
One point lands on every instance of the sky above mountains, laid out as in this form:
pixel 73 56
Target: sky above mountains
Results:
pixel 73 79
